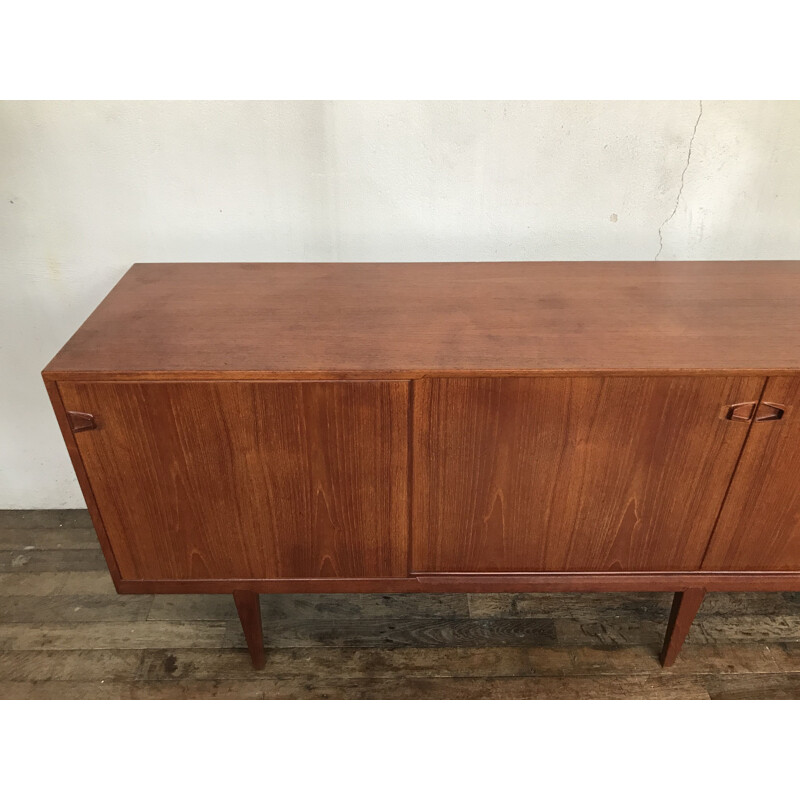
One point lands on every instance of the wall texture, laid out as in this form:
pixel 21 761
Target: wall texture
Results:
pixel 86 189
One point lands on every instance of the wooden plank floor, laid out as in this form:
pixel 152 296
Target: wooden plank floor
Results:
pixel 65 633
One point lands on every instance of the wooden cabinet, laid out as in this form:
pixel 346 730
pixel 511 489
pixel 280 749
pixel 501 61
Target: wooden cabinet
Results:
pixel 249 428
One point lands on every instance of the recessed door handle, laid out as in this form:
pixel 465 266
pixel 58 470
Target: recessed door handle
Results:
pixel 739 412
pixel 772 411
pixel 81 421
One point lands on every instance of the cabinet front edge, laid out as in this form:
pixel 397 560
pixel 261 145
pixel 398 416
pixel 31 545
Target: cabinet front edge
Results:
pixel 399 375
pixel 531 582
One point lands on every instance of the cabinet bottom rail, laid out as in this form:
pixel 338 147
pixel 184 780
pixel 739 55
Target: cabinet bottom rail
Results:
pixel 484 582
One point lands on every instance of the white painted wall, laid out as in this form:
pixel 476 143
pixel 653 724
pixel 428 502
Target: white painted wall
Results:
pixel 86 189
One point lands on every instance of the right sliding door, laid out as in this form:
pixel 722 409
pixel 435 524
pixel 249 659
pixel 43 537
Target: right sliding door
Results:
pixel 759 527
pixel 574 474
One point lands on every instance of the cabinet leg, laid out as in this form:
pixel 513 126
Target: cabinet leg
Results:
pixel 250 616
pixel 684 608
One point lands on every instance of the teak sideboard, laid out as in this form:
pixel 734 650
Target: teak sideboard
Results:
pixel 580 426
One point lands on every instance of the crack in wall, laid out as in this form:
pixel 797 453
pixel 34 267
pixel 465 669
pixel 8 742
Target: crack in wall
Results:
pixel 680 188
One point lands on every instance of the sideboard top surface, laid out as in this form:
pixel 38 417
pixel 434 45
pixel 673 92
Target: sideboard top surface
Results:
pixel 410 320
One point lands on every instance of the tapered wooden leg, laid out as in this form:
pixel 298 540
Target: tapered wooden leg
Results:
pixel 684 608
pixel 250 616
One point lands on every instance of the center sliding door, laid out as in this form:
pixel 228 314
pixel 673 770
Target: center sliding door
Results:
pixel 583 474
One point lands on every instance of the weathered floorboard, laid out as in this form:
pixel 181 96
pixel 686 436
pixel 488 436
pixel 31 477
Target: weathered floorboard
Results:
pixel 110 635
pixel 581 607
pixel 42 584
pixel 398 687
pixel 48 539
pixel 70 665
pixel 747 628
pixel 75 608
pixel 609 631
pixel 589 607
pixel 784 686
pixel 400 632
pixel 330 664
pixel 47 518
pixel 51 560
pixel 64 632
pixel 315 606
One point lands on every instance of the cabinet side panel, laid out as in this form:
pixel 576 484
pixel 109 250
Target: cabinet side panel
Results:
pixel 759 526
pixel 249 480
pixel 587 474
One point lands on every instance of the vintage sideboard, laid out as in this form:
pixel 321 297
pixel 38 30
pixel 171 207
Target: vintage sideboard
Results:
pixel 471 427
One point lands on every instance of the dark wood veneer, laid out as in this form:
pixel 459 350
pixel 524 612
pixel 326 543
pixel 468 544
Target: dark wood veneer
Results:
pixel 586 426
pixel 410 320
pixel 764 496
pixel 530 475
pixel 249 480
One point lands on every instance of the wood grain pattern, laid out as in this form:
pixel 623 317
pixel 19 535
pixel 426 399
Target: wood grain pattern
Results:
pixel 428 662
pixel 584 606
pixel 759 527
pixel 403 632
pixel 75 608
pixel 314 606
pixel 249 480
pixel 411 320
pixel 42 584
pixel 588 607
pixel 571 474
pixel 749 687
pixel 113 635
pixel 709 629
pixel 66 665
pixel 398 688
pixel 358 663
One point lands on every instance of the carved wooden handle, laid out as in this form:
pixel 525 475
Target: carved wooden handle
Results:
pixel 775 411
pixel 739 412
pixel 80 421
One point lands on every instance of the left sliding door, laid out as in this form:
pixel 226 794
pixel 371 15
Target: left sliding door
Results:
pixel 228 479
